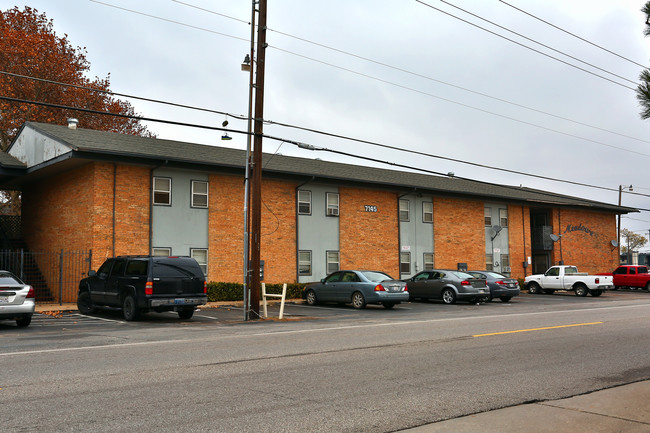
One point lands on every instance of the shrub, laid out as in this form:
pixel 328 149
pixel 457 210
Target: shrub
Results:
pixel 219 292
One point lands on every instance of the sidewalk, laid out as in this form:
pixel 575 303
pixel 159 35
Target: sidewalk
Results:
pixel 621 409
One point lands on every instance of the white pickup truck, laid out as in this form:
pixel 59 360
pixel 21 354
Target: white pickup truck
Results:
pixel 568 278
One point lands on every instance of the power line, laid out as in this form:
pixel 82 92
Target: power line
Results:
pixel 303 145
pixel 419 75
pixel 418 91
pixel 461 104
pixel 171 21
pixel 537 42
pixel 315 131
pixel 526 46
pixel 572 34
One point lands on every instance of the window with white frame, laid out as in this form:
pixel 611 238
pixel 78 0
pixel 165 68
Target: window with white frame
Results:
pixel 304 263
pixel 405 263
pixel 161 252
pixel 199 193
pixel 505 262
pixel 333 261
pixel 162 191
pixel 488 216
pixel 427 212
pixel 304 202
pixel 404 210
pixel 332 204
pixel 503 217
pixel 201 256
pixel 428 261
pixel 489 264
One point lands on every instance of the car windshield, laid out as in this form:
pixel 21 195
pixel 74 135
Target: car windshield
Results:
pixel 495 275
pixel 376 277
pixel 570 270
pixel 7 278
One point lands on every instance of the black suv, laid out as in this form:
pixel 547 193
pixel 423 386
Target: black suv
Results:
pixel 139 284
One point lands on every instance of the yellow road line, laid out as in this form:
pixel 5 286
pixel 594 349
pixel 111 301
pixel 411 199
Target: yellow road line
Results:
pixel 538 329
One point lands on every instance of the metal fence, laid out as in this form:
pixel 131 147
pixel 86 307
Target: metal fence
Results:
pixel 53 275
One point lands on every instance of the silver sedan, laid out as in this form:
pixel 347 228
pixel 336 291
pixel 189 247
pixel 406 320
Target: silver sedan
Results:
pixel 357 287
pixel 17 299
pixel 447 285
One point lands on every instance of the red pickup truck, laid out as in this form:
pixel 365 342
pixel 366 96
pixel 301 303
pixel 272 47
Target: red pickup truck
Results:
pixel 631 276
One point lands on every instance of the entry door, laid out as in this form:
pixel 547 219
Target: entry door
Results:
pixel 540 263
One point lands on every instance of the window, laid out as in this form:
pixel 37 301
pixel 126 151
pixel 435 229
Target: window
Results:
pixel 333 261
pixel 428 261
pixel 199 193
pixel 403 210
pixel 332 204
pixel 162 252
pixel 427 212
pixel 304 263
pixel 304 203
pixel 405 263
pixel 489 264
pixel 505 262
pixel 503 217
pixel 137 268
pixel 488 216
pixel 201 256
pixel 162 191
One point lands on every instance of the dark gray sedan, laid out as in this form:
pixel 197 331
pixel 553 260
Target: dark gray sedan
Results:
pixel 447 285
pixel 357 287
pixel 501 287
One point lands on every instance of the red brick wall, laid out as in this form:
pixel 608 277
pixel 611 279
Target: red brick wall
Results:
pixel 73 211
pixel 519 239
pixel 226 230
pixel 369 240
pixel 586 240
pixel 458 233
pixel 57 214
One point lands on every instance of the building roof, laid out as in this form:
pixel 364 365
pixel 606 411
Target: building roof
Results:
pixel 87 144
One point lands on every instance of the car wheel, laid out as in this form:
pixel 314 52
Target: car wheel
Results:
pixel 311 298
pixel 596 293
pixel 505 298
pixel 581 290
pixel 647 286
pixel 358 301
pixel 448 296
pixel 186 313
pixel 130 309
pixel 534 289
pixel 24 321
pixel 84 304
pixel 388 305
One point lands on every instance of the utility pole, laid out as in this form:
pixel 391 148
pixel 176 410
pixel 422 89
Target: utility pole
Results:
pixel 256 198
pixel 251 76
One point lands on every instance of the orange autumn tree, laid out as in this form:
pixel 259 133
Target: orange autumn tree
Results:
pixel 30 47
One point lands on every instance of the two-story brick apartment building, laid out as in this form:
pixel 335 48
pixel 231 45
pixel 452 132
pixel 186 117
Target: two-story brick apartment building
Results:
pixel 119 194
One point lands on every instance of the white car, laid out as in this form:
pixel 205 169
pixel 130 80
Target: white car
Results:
pixel 17 299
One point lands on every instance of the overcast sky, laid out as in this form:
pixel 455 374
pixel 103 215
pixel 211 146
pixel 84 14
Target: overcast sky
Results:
pixel 400 73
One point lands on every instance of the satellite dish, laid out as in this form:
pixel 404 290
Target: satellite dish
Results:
pixel 554 238
pixel 614 243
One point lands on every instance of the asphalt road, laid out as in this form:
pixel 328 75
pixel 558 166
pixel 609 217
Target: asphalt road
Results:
pixel 325 369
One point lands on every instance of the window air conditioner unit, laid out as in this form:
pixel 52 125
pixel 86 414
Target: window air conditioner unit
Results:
pixel 332 212
pixel 506 269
